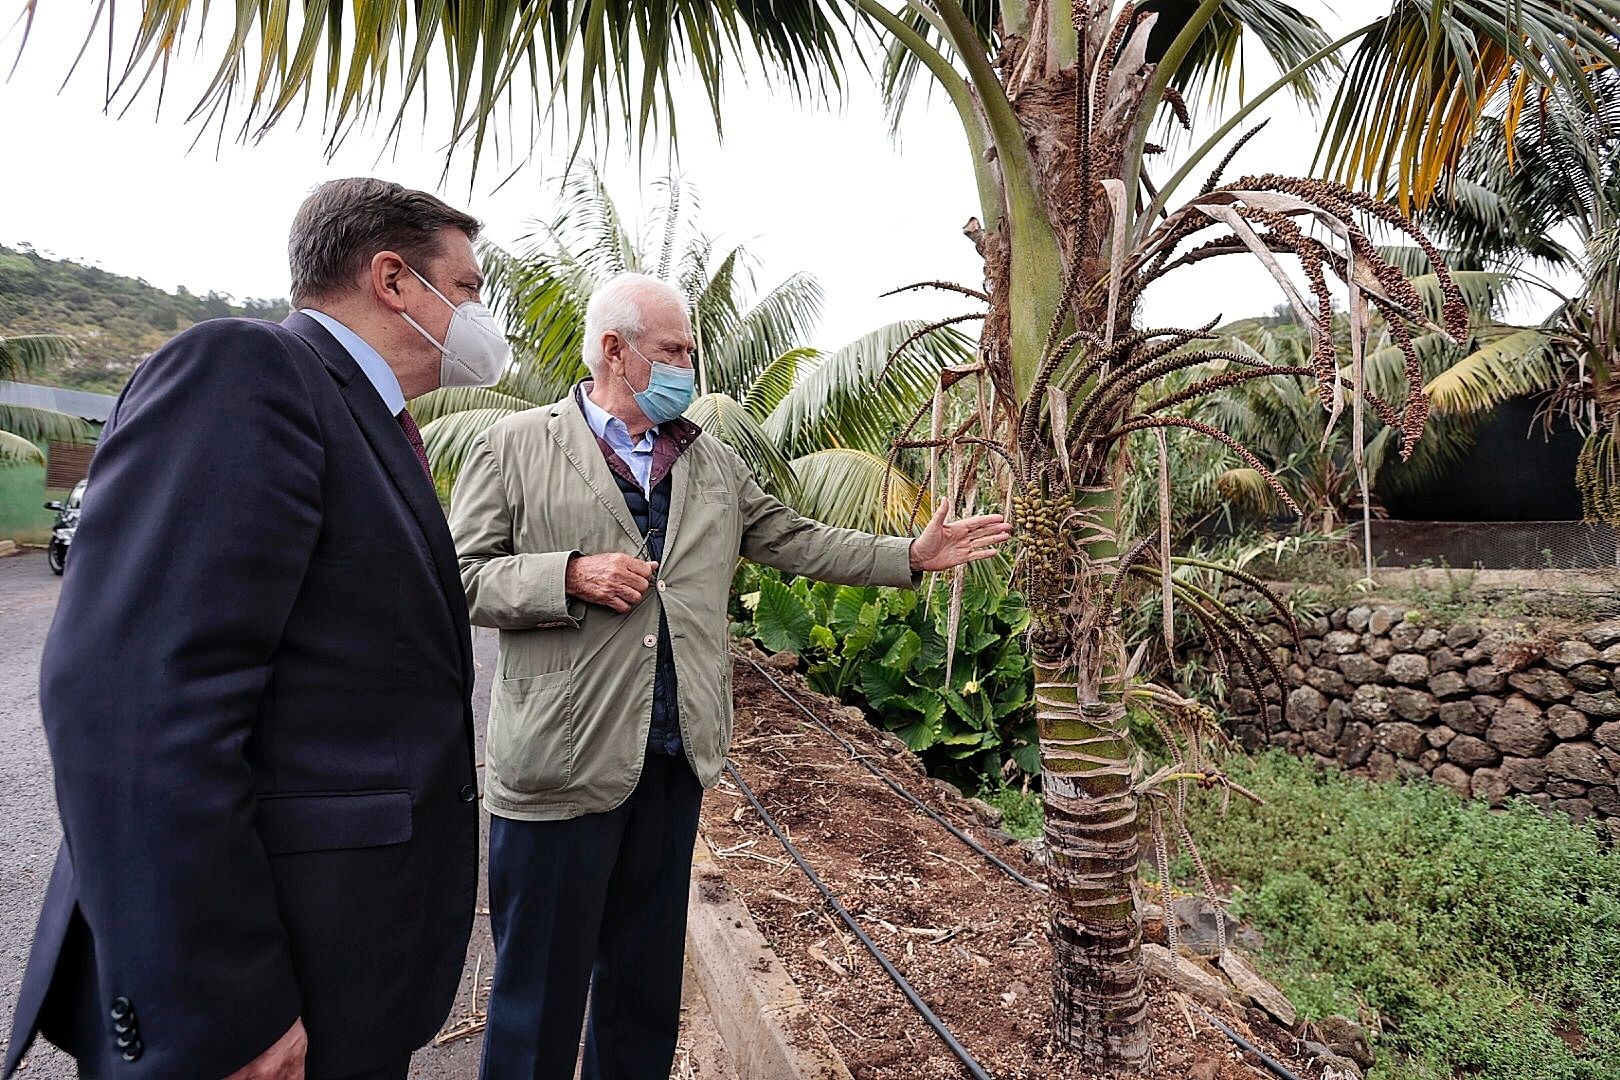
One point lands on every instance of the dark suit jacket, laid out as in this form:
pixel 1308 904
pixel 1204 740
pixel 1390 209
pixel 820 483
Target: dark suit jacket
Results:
pixel 257 697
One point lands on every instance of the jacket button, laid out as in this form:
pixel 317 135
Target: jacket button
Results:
pixel 121 1008
pixel 124 1026
pixel 468 793
pixel 663 586
pixel 127 1040
pixel 133 1054
pixel 650 640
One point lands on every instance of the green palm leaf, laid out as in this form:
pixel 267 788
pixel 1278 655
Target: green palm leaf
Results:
pixel 844 487
pixel 44 425
pixel 29 354
pixel 455 399
pixel 449 439
pixel 1418 83
pixel 856 397
pixel 728 420
pixel 773 384
pixel 1517 363
pixel 16 450
pixel 776 323
pixel 357 63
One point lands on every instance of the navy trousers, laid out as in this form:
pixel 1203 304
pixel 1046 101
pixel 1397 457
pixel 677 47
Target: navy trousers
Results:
pixel 595 906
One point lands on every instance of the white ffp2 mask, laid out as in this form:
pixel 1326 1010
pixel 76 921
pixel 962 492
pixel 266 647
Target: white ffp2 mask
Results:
pixel 474 352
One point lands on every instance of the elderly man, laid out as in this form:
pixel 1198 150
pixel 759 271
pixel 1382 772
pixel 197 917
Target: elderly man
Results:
pixel 600 535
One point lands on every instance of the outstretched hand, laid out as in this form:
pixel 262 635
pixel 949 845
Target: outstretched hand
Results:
pixel 946 545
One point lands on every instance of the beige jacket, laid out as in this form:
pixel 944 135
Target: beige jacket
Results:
pixel 572 700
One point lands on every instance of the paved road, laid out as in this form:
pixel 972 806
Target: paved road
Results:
pixel 29 834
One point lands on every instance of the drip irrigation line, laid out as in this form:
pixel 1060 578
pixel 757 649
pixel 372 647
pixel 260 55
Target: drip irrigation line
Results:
pixel 1276 1067
pixel 973 1067
pixel 862 760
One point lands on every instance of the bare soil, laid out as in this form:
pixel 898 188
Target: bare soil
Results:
pixel 970 939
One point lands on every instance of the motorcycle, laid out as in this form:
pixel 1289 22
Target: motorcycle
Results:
pixel 67 523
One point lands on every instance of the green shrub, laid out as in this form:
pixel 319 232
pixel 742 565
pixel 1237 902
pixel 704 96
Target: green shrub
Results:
pixel 885 649
pixel 1489 942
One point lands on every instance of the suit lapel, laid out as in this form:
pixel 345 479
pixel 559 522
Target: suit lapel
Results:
pixel 388 442
pixel 571 432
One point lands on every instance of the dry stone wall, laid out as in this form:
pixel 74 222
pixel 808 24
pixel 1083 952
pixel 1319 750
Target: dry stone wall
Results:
pixel 1493 709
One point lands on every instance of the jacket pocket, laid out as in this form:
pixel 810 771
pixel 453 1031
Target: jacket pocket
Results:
pixel 332 821
pixel 531 736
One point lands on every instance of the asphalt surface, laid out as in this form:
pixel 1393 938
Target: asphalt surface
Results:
pixel 29 834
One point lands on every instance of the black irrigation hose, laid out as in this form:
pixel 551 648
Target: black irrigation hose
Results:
pixel 961 1052
pixel 1275 1067
pixel 854 752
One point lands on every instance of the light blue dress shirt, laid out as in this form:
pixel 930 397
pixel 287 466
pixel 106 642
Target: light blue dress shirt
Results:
pixel 371 362
pixel 638 454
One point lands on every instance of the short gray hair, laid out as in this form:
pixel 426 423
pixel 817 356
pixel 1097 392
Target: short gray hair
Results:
pixel 344 223
pixel 618 305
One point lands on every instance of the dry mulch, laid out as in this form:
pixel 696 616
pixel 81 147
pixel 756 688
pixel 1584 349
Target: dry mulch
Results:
pixel 969 938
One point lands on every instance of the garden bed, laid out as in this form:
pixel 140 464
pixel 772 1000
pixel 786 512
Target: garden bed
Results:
pixel 971 940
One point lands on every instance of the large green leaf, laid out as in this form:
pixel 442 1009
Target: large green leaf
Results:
pixel 1417 85
pixel 782 621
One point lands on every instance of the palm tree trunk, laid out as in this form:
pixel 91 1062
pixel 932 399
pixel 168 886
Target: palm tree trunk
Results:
pixel 1089 767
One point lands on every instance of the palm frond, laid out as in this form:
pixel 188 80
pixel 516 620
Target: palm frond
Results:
pixel 779 321
pixel 848 399
pixel 449 438
pixel 1414 91
pixel 1517 363
pixel 44 425
pixel 16 450
pixel 728 420
pixel 770 386
pixel 455 399
pixel 612 65
pixel 30 354
pixel 845 487
pixel 1215 66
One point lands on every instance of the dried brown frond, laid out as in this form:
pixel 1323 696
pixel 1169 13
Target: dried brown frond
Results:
pixel 1260 370
pixel 924 332
pixel 944 286
pixel 1178 105
pixel 1215 176
pixel 1454 310
pixel 1117 588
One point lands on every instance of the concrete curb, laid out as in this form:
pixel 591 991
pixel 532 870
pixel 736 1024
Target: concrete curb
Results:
pixel 768 1030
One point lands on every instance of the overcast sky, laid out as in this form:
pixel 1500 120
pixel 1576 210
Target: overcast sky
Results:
pixel 818 189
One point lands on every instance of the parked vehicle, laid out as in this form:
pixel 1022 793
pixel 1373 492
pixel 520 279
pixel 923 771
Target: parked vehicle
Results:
pixel 67 523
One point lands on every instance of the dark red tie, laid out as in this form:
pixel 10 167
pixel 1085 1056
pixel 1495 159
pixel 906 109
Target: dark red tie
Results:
pixel 413 435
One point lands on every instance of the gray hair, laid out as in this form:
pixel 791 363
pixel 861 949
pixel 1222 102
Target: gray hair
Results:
pixel 344 223
pixel 619 305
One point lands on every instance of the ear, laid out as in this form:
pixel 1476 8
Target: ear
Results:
pixel 613 351
pixel 384 276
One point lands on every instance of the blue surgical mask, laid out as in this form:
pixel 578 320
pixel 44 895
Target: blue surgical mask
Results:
pixel 669 390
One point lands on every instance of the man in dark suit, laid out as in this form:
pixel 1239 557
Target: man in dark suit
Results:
pixel 257 687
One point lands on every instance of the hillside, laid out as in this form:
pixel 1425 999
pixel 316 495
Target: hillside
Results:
pixel 115 320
